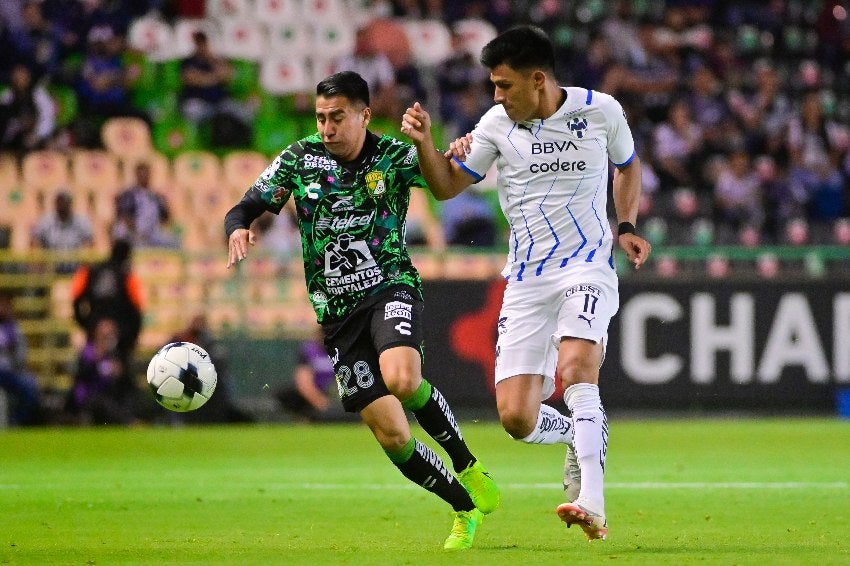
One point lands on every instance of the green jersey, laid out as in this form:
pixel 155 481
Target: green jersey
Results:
pixel 351 217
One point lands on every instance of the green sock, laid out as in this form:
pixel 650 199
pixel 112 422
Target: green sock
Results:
pixel 434 414
pixel 424 467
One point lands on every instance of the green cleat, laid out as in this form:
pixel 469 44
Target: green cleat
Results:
pixel 481 487
pixel 463 530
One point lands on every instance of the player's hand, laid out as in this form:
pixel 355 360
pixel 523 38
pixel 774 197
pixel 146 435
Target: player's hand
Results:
pixel 637 249
pixel 459 148
pixel 237 245
pixel 416 124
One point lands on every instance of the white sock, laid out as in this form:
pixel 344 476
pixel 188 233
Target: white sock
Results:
pixel 590 428
pixel 552 428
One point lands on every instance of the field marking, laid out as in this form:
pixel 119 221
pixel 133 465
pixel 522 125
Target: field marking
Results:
pixel 524 486
pixel 609 485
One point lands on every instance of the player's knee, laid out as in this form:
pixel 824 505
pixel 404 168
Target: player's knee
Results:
pixel 515 422
pixel 577 369
pixel 392 440
pixel 401 379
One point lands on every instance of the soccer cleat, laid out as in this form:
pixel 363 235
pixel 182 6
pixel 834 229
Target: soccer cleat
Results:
pixel 593 525
pixel 481 487
pixel 572 475
pixel 463 530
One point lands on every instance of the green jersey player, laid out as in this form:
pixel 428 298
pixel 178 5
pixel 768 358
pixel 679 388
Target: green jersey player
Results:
pixel 351 189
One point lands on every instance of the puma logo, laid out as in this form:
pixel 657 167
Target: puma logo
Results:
pixel 587 320
pixel 586 419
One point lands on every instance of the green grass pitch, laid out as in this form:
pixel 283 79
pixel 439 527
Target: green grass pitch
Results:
pixel 763 492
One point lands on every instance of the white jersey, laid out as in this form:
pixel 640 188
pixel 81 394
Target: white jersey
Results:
pixel 553 180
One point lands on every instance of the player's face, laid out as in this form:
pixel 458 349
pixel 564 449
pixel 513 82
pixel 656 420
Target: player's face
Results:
pixel 342 125
pixel 517 91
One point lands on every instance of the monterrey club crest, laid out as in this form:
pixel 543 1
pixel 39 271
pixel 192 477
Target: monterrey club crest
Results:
pixel 375 183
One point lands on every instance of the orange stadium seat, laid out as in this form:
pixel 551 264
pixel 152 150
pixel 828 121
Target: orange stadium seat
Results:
pixel 242 168
pixel 161 178
pixel 95 181
pixel 45 171
pixel 127 137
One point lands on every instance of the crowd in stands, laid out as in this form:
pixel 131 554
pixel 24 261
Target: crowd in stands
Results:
pixel 744 105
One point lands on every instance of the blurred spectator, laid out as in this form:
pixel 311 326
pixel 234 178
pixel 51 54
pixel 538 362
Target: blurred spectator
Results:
pixel 103 85
pixel 678 145
pixel 279 233
pixel 110 289
pixel 737 193
pixel 204 98
pixel 469 220
pixel 375 67
pixel 221 407
pixel 37 41
pixel 15 380
pixel 308 398
pixel 61 230
pixel 104 391
pixel 27 113
pixel 459 77
pixel 142 215
pixel 765 113
pixel 816 147
pixel 708 108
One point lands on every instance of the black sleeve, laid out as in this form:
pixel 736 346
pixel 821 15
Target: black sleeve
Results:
pixel 244 213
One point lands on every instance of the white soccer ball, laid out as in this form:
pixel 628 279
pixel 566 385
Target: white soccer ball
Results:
pixel 182 376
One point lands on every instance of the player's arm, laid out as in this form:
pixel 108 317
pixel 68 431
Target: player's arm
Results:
pixel 627 187
pixel 236 226
pixel 444 176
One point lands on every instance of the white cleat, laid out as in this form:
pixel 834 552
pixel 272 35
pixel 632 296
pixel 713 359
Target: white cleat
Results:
pixel 594 526
pixel 572 475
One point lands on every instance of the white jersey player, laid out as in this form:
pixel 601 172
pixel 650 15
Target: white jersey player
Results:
pixel 552 147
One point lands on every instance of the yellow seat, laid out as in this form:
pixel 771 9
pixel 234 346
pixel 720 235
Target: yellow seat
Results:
pixel 45 171
pixel 242 168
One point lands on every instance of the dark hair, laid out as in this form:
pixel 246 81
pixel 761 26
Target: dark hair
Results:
pixel 520 48
pixel 121 251
pixel 345 83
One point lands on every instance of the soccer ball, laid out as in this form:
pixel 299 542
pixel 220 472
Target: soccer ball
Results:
pixel 182 376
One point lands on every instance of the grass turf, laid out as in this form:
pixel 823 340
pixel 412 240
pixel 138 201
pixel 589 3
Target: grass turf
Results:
pixel 679 492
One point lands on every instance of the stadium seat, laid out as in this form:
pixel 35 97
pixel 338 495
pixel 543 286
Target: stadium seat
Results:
pixel 284 74
pixel 430 41
pixel 183 30
pixel 242 38
pixel 333 38
pixel 10 173
pixel 242 168
pixel 326 9
pixel 476 33
pixel 291 38
pixel 277 11
pixel 195 169
pixel 127 137
pixel 152 36
pixel 223 10
pixel 161 179
pixel 45 171
pixel 95 181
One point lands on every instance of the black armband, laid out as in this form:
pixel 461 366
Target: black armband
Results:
pixel 625 228
pixel 243 214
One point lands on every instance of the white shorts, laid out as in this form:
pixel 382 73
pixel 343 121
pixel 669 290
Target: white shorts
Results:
pixel 576 302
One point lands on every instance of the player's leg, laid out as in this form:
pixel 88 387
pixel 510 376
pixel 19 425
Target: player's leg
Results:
pixel 578 365
pixel 525 366
pixel 524 417
pixel 401 367
pixel 397 335
pixel 386 418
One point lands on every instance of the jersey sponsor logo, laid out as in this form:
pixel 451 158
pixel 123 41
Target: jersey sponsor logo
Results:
pixel 312 191
pixel 403 295
pixel 592 289
pixel 343 223
pixel 320 298
pixel 398 309
pixel 538 148
pixel 349 266
pixel 280 194
pixel 558 165
pixel 403 328
pixel 319 162
pixel 375 183
pixel 503 325
pixel 269 171
pixel 589 321
pixel 343 203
